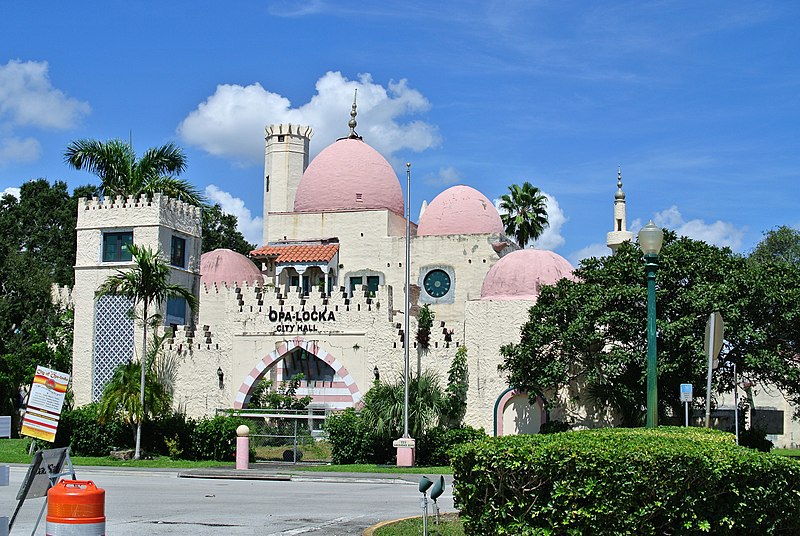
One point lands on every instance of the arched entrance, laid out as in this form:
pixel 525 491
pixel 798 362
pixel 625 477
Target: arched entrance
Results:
pixel 340 392
pixel 514 414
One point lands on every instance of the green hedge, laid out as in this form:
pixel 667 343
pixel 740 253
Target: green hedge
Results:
pixel 353 441
pixel 80 429
pixel 169 435
pixel 624 481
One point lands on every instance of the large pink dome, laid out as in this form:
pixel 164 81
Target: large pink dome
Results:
pixel 226 267
pixel 349 175
pixel 460 210
pixel 521 274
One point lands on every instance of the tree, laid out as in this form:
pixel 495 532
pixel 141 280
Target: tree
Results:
pixel 779 244
pixel 424 324
pixel 457 386
pixel 219 231
pixel 283 397
pixel 590 334
pixel 384 403
pixel 524 213
pixel 37 249
pixel 146 284
pixel 121 173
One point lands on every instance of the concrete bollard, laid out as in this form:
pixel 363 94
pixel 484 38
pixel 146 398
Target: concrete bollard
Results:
pixel 243 447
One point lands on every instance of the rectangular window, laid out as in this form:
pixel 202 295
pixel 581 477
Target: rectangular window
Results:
pixel 177 254
pixel 372 283
pixel 294 281
pixel 176 311
pixel 355 282
pixel 115 246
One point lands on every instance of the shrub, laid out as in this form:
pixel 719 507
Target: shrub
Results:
pixel 755 438
pixel 174 427
pixel 624 481
pixel 215 438
pixel 434 447
pixel 553 427
pixel 80 429
pixel 348 437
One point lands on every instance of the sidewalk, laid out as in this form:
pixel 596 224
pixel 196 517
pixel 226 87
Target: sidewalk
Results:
pixel 290 472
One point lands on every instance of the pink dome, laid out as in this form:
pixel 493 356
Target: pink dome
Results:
pixel 226 267
pixel 349 175
pixel 460 210
pixel 521 274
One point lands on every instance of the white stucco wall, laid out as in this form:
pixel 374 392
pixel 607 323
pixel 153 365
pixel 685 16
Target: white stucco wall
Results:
pixel 153 223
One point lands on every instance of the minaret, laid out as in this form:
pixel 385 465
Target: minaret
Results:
pixel 285 160
pixel 620 233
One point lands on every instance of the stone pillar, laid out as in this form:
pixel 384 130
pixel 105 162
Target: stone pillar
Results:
pixel 243 447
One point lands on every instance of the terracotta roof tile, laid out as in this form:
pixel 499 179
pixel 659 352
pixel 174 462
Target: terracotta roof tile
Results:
pixel 297 253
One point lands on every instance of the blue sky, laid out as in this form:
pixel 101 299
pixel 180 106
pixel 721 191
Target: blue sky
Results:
pixel 697 101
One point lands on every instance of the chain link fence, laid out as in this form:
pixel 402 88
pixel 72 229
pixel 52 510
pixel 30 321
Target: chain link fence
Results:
pixel 285 434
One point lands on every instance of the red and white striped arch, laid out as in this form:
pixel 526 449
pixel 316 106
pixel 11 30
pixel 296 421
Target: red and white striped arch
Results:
pixel 271 360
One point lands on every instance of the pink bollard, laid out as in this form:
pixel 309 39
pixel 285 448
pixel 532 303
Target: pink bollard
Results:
pixel 243 447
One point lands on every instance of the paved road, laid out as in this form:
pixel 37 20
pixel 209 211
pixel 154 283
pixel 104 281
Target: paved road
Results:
pixel 158 502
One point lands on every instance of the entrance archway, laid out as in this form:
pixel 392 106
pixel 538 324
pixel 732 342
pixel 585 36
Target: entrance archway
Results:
pixel 342 376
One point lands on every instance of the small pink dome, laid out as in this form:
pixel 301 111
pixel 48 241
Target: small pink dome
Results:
pixel 349 175
pixel 226 267
pixel 521 274
pixel 460 210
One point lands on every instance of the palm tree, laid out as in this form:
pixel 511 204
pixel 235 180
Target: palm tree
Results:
pixel 121 173
pixel 384 404
pixel 524 213
pixel 122 396
pixel 146 283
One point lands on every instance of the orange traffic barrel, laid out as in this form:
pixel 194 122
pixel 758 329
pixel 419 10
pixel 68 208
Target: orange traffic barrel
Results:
pixel 76 508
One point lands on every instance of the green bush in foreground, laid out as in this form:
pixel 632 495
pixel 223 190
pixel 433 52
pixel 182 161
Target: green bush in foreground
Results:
pixel 624 481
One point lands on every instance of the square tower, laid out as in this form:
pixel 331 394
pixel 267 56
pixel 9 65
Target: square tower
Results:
pixel 285 160
pixel 105 335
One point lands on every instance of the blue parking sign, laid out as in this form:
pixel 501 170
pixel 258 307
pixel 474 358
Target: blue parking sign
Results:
pixel 686 392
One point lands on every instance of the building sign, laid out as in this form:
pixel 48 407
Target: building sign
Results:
pixel 299 321
pixel 44 404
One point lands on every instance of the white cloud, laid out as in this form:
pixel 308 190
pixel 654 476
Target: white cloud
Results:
pixel 446 176
pixel 250 226
pixel 230 123
pixel 28 98
pixel 19 150
pixel 11 190
pixel 551 237
pixel 719 233
pixel 592 250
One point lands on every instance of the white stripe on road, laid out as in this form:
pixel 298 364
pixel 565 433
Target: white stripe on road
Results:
pixel 314 528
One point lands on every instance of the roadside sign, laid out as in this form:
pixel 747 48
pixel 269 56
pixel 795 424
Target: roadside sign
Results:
pixel 713 339
pixel 713 344
pixel 47 467
pixel 44 404
pixel 686 392
pixel 5 426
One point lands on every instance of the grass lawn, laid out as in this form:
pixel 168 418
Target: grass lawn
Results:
pixel 449 525
pixel 793 453
pixel 16 451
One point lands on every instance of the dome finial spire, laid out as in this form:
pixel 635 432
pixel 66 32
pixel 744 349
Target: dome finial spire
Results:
pixel 352 123
pixel 620 194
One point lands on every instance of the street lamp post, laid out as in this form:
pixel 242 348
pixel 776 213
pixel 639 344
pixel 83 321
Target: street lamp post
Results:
pixel 650 239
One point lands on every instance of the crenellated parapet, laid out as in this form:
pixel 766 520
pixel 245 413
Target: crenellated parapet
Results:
pixel 119 211
pixel 288 129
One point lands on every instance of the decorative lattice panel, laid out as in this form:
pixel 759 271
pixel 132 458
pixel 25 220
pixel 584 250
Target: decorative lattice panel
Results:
pixel 113 340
